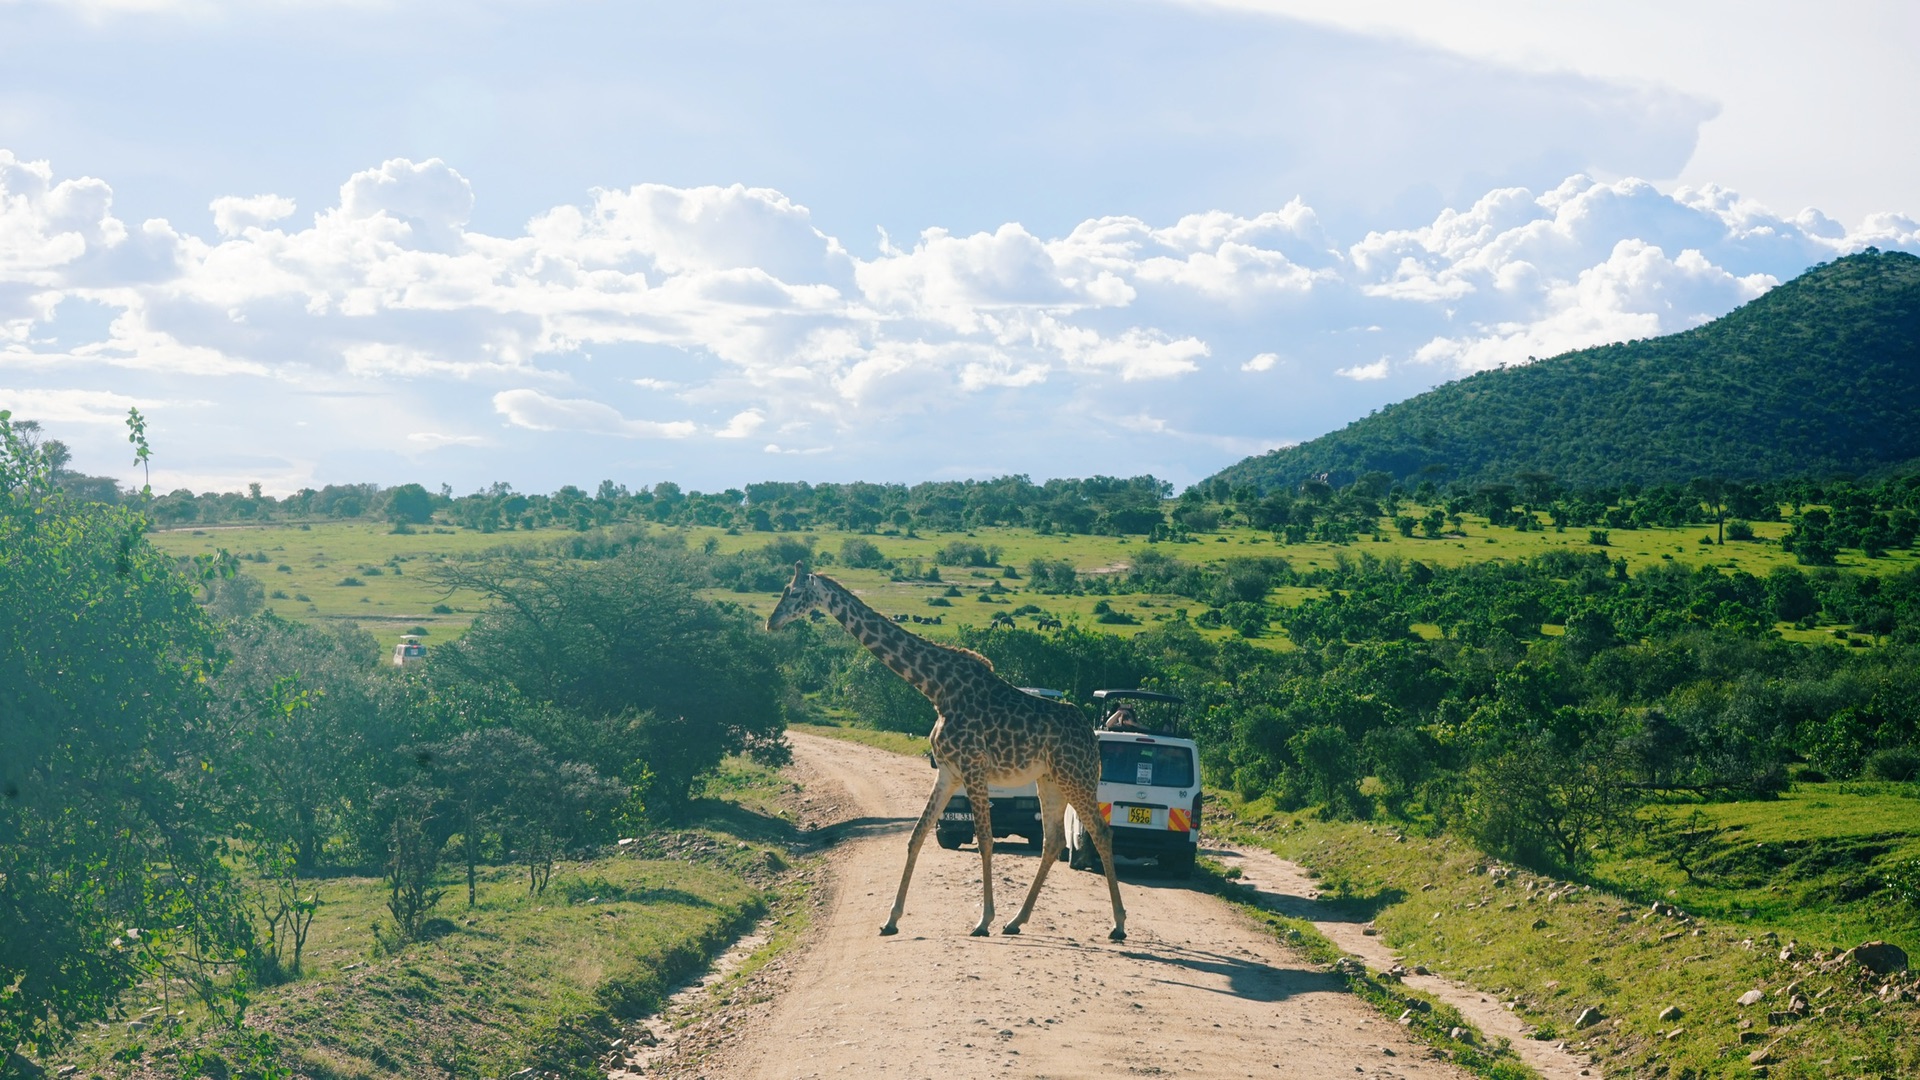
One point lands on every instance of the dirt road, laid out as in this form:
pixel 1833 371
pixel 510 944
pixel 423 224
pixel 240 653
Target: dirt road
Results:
pixel 1196 990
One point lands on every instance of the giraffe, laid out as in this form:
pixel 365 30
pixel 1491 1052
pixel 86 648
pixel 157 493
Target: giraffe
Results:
pixel 986 731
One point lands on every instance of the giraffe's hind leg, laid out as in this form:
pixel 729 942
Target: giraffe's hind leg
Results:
pixel 1087 807
pixel 943 789
pixel 982 799
pixel 1053 814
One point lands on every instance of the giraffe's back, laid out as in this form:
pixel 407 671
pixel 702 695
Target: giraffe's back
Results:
pixel 1014 737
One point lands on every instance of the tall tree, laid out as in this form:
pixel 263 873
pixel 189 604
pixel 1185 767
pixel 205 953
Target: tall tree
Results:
pixel 674 683
pixel 108 864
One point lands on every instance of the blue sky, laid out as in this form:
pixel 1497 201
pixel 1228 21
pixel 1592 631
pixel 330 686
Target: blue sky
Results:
pixel 558 242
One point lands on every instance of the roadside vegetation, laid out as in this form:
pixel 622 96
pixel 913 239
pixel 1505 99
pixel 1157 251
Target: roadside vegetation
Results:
pixel 1703 695
pixel 1651 979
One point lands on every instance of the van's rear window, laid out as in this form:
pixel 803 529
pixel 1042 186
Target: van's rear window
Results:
pixel 1149 764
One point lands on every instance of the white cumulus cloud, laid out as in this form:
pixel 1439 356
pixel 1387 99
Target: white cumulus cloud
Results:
pixel 389 312
pixel 543 412
pixel 235 214
pixel 1364 372
pixel 67 406
pixel 742 424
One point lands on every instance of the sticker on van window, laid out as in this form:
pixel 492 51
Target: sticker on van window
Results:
pixel 1143 773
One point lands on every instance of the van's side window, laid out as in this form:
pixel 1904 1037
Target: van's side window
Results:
pixel 1145 764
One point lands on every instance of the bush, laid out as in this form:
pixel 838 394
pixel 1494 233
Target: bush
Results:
pixel 1899 763
pixel 861 554
pixel 1548 799
pixel 966 553
pixel 1599 537
pixel 883 700
pixel 1739 530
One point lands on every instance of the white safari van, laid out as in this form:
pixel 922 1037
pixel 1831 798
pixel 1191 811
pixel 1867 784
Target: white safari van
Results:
pixel 409 651
pixel 1149 790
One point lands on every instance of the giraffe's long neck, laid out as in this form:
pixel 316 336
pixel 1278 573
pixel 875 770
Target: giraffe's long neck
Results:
pixel 911 656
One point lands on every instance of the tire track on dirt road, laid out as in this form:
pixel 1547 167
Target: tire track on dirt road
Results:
pixel 1196 990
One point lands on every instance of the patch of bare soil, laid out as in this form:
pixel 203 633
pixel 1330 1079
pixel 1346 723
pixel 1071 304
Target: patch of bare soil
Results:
pixel 1196 990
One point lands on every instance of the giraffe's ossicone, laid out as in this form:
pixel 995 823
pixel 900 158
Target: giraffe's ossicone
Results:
pixel 986 731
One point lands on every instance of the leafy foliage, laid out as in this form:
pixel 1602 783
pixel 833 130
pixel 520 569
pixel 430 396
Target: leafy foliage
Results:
pixel 665 684
pixel 108 819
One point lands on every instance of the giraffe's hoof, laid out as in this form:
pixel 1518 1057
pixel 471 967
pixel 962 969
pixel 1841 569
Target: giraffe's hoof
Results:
pixel 979 931
pixel 1011 930
pixel 889 930
pixel 1117 935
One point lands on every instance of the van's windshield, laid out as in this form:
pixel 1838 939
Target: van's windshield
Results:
pixel 1145 764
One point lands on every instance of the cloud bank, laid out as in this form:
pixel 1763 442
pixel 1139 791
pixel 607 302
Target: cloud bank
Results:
pixel 689 333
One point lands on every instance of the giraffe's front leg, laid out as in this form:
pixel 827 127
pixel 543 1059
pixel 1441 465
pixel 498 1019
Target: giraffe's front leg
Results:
pixel 943 789
pixel 1053 812
pixel 982 800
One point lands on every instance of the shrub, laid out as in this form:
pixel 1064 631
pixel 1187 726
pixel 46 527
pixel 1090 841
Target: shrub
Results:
pixel 966 553
pixel 861 554
pixel 351 583
pixel 1546 800
pixel 442 609
pixel 1599 537
pixel 1739 530
pixel 1900 763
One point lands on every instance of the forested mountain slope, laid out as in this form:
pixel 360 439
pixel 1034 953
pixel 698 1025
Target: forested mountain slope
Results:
pixel 1820 376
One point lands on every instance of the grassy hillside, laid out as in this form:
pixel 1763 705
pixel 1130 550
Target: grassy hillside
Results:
pixel 1820 376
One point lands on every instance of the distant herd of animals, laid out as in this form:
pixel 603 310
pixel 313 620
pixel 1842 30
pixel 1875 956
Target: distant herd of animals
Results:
pixel 1000 619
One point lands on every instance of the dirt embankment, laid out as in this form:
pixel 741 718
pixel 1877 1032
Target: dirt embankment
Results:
pixel 1196 990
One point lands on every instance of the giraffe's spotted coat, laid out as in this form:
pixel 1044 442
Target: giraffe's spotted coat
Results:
pixel 987 731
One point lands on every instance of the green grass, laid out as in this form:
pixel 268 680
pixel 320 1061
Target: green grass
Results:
pixel 394 595
pixel 516 980
pixel 1807 865
pixel 892 741
pixel 1593 946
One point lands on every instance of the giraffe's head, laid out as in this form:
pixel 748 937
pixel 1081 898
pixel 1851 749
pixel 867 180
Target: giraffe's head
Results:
pixel 803 595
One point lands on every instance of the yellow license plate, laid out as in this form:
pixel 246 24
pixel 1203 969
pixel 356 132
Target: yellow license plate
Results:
pixel 1139 815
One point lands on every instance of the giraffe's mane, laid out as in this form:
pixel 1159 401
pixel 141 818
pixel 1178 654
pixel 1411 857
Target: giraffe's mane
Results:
pixel 962 650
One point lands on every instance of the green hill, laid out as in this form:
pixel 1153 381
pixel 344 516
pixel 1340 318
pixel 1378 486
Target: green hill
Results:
pixel 1821 376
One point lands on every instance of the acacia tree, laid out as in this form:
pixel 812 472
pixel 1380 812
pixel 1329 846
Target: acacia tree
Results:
pixel 1548 796
pixel 667 683
pixel 316 728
